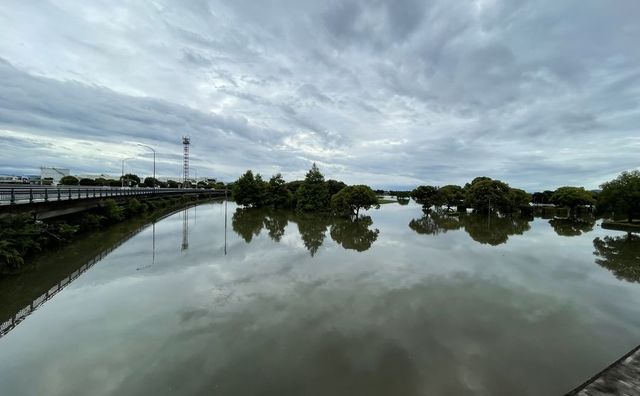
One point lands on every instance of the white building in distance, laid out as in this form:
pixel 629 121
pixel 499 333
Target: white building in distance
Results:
pixel 53 173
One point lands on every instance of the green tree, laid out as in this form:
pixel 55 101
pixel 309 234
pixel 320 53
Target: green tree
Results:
pixel 313 193
pixel 349 200
pixel 484 194
pixel 427 196
pixel 278 195
pixel 250 190
pixel 518 199
pixel 572 197
pixel 335 186
pixel 69 181
pixel 622 194
pixel 112 211
pixel 87 182
pixel 172 184
pixel 452 195
pixel 130 180
pixel 150 182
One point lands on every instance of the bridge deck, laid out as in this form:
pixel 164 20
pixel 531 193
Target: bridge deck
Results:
pixel 620 378
pixel 18 195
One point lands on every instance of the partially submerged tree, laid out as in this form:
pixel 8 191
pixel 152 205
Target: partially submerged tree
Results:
pixel 572 197
pixel 484 194
pixel 313 193
pixel 622 194
pixel 427 196
pixel 350 200
pixel 452 195
pixel 250 190
pixel 278 195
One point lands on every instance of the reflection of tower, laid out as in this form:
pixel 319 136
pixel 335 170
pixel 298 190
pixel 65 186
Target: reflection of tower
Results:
pixel 186 141
pixel 185 229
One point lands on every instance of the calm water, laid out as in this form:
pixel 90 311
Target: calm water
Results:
pixel 399 304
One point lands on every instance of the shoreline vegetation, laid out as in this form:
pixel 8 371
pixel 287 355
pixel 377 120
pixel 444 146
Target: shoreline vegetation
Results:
pixel 23 239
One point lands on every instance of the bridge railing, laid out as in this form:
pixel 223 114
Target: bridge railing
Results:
pixel 23 195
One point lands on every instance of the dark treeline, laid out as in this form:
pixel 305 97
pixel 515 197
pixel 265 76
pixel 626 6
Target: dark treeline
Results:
pixel 21 236
pixel 313 194
pixel 620 196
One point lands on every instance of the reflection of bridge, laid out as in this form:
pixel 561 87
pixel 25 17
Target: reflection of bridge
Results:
pixel 13 321
pixel 47 201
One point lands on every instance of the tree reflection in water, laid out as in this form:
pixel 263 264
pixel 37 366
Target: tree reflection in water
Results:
pixel 248 223
pixel 572 227
pixel 435 223
pixel 620 255
pixel 493 230
pixel 355 235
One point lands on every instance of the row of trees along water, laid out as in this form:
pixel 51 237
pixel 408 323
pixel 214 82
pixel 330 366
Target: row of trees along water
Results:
pixel 620 195
pixel 133 180
pixel 313 194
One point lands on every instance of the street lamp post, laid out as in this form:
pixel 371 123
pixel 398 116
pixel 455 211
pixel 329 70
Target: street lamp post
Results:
pixel 122 177
pixel 154 162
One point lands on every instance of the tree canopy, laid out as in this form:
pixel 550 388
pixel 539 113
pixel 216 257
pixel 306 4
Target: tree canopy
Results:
pixel 427 196
pixel 349 200
pixel 572 197
pixel 69 181
pixel 622 194
pixel 451 195
pixel 313 193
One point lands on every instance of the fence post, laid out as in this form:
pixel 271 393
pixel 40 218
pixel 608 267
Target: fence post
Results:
pixel 13 196
pixel 79 193
pixel 69 191
pixel 31 195
pixel 58 193
pixel 46 195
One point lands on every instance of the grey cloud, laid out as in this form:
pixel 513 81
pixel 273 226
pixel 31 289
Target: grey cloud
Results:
pixel 538 93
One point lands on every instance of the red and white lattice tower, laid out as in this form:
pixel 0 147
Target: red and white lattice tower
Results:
pixel 186 141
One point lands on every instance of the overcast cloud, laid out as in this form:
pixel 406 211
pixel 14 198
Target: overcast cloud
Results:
pixel 388 93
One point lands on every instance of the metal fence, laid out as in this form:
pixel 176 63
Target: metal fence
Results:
pixel 23 195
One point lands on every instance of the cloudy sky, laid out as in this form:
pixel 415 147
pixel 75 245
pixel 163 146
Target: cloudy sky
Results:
pixel 389 93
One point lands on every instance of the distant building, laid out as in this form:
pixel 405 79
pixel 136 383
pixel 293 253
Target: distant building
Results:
pixel 54 174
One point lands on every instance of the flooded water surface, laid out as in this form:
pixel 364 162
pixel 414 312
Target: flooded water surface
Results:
pixel 399 303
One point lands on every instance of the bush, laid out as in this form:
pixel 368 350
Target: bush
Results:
pixel 91 221
pixel 134 207
pixel 112 211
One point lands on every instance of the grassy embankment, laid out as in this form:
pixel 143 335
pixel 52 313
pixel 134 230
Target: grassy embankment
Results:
pixel 22 238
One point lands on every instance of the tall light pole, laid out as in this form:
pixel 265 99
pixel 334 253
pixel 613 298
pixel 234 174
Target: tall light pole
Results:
pixel 122 177
pixel 154 162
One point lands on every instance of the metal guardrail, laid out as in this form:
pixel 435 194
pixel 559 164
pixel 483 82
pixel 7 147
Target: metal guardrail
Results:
pixel 34 194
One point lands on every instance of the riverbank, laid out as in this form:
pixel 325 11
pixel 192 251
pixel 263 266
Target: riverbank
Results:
pixel 23 239
pixel 46 270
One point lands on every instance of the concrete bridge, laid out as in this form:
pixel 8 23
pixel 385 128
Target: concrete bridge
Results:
pixel 46 201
